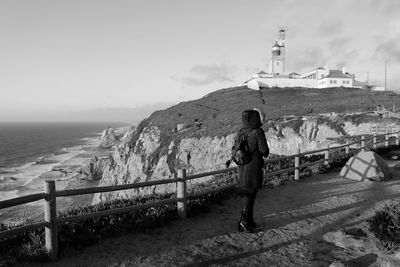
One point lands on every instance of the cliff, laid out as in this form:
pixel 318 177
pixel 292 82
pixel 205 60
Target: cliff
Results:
pixel 198 135
pixel 108 138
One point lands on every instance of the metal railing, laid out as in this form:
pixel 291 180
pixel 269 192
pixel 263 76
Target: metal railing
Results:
pixel 50 195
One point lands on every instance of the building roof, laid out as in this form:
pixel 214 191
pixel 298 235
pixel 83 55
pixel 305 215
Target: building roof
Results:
pixel 337 74
pixel 262 72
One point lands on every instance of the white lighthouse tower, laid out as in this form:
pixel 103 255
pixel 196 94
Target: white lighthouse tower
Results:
pixel 277 63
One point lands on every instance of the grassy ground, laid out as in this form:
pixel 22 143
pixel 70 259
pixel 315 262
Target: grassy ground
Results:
pixel 219 113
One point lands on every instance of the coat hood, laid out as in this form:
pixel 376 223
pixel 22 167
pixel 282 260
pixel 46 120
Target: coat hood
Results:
pixel 251 119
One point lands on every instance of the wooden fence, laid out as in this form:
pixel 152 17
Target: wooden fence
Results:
pixel 382 129
pixel 50 193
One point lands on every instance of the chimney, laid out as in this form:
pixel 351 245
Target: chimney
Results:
pixel 344 70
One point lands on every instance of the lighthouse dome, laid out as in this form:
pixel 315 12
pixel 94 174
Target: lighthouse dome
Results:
pixel 276 49
pixel 275 46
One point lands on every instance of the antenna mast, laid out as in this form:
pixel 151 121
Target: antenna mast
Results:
pixel 385 72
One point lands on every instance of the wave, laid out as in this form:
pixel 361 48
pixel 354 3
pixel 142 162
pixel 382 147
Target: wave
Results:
pixel 32 173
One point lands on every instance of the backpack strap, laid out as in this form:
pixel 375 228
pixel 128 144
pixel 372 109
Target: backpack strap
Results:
pixel 244 136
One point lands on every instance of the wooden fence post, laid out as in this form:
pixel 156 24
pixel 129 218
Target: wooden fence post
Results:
pixel 397 139
pixel 362 143
pixel 348 147
pixel 50 218
pixel 296 165
pixel 374 141
pixel 326 162
pixel 387 140
pixel 181 193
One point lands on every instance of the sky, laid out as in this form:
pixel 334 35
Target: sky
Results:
pixel 65 60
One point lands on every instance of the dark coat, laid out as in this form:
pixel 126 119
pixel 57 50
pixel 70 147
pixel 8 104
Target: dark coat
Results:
pixel 251 175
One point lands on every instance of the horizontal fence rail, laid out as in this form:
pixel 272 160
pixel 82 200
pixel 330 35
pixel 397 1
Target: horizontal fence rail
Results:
pixel 101 189
pixel 50 195
pixel 21 200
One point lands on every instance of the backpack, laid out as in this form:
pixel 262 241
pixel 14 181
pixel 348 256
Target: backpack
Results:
pixel 241 154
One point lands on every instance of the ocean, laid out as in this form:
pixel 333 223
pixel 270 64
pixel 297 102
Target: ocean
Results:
pixel 33 152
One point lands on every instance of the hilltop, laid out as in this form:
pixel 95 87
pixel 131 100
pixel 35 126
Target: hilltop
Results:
pixel 219 112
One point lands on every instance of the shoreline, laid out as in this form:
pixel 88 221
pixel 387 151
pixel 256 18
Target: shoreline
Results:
pixel 63 167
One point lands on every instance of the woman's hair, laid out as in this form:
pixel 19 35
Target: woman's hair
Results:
pixel 251 119
pixel 262 115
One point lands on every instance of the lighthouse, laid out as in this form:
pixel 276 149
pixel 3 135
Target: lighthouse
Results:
pixel 277 62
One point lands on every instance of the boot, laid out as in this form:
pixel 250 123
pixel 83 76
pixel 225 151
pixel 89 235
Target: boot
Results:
pixel 244 225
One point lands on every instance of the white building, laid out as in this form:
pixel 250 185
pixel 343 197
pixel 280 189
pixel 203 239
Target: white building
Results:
pixel 336 78
pixel 317 78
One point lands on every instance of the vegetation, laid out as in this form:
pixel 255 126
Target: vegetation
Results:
pixel 79 234
pixel 336 125
pixel 385 225
pixel 219 113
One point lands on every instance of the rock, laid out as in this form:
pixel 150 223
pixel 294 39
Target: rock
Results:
pixel 337 264
pixel 94 168
pixel 355 232
pixel 341 239
pixel 397 255
pixel 108 138
pixel 369 259
pixel 394 155
pixel 180 126
pixel 397 166
pixel 366 165
pixel 7 178
pixel 128 134
pixel 62 170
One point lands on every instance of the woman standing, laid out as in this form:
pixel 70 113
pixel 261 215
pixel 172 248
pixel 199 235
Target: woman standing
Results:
pixel 250 174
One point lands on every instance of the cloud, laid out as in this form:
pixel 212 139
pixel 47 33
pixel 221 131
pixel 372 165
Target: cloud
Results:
pixel 330 27
pixel 338 43
pixel 389 49
pixel 386 7
pixel 340 57
pixel 207 74
pixel 310 57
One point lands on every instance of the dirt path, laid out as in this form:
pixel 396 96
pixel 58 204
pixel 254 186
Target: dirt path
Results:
pixel 293 217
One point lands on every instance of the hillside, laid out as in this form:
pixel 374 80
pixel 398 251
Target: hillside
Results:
pixel 198 135
pixel 219 112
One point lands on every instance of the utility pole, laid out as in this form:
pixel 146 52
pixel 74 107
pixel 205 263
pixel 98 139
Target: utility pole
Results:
pixel 367 77
pixel 385 72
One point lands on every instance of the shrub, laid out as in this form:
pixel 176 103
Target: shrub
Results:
pixel 80 234
pixel 385 225
pixel 336 125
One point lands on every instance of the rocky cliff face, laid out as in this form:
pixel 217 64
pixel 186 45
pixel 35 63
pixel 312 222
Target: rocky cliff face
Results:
pixel 108 138
pixel 93 168
pixel 198 136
